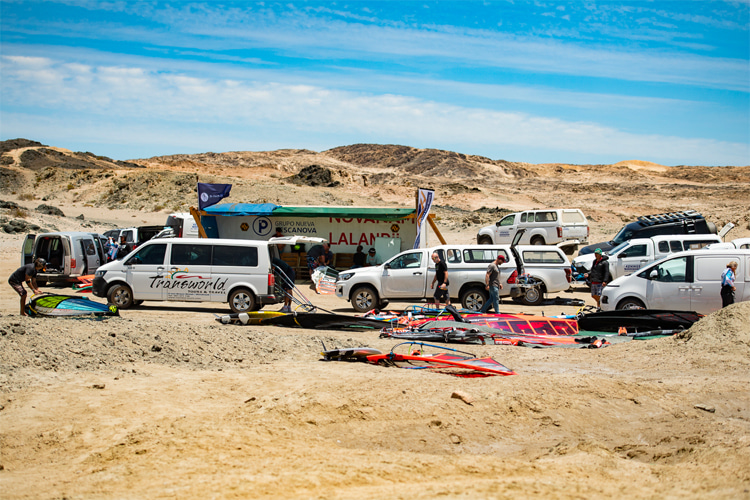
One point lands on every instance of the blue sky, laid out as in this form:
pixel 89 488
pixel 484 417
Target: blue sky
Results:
pixel 544 81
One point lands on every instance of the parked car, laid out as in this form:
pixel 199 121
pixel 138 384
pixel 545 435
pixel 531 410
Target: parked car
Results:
pixel 565 227
pixel 184 225
pixel 68 254
pixel 629 256
pixel 683 281
pixel 409 274
pixel 686 222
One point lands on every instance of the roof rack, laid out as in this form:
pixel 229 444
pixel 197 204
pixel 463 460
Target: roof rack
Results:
pixel 651 220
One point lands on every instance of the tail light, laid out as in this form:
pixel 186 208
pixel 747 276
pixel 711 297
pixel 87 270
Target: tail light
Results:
pixel 559 232
pixel 72 264
pixel 512 277
pixel 568 274
pixel 271 280
pixel 587 231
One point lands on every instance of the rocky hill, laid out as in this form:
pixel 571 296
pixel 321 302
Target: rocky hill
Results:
pixel 469 189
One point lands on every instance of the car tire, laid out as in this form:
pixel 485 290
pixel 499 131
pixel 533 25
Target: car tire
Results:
pixel 136 303
pixel 364 298
pixel 533 296
pixel 537 240
pixel 484 240
pixel 241 300
pixel 474 298
pixel 631 303
pixel 120 295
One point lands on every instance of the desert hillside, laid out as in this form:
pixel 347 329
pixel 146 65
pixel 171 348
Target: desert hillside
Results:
pixel 470 190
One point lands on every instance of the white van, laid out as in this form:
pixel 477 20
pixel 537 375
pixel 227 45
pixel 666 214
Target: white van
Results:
pixel 565 227
pixel 184 225
pixel 683 281
pixel 68 254
pixel 238 272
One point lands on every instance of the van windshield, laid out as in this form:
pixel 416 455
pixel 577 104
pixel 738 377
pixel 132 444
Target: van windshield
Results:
pixel 616 249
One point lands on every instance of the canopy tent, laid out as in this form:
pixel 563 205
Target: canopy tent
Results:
pixel 268 209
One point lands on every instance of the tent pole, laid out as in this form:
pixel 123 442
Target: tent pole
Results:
pixel 197 216
pixel 434 228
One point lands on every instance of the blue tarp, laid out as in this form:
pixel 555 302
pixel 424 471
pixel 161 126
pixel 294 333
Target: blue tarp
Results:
pixel 241 209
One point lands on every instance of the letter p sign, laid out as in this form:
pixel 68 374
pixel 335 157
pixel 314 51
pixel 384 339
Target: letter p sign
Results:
pixel 262 226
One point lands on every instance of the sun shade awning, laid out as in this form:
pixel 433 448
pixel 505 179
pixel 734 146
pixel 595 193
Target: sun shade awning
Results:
pixel 269 209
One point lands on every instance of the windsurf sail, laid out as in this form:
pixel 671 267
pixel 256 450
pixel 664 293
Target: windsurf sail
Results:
pixel 638 320
pixel 450 361
pixel 67 305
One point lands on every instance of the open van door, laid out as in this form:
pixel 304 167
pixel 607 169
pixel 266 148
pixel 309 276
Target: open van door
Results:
pixel 28 249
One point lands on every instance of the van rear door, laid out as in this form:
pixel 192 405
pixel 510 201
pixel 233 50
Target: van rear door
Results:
pixel 706 290
pixel 28 249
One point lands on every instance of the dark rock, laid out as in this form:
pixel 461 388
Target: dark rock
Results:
pixel 314 175
pixel 8 204
pixel 49 210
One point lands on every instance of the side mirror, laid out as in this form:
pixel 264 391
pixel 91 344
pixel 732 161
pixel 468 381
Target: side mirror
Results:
pixel 654 274
pixel 134 260
pixel 387 266
pixel 620 256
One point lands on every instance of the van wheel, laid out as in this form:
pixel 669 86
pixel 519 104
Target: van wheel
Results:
pixel 484 240
pixel 474 298
pixel 537 240
pixel 364 298
pixel 121 296
pixel 631 304
pixel 241 300
pixel 533 296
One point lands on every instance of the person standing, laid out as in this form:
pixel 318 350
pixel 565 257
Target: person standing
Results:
pixel 727 284
pixel 287 282
pixel 319 255
pixel 493 285
pixel 441 278
pixel 123 248
pixel 599 275
pixel 28 274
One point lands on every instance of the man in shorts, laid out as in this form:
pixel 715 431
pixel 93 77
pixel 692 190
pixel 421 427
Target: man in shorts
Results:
pixel 599 275
pixel 441 278
pixel 26 273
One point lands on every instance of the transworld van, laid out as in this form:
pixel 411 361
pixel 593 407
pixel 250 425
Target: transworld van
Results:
pixel 238 272
pixel 684 281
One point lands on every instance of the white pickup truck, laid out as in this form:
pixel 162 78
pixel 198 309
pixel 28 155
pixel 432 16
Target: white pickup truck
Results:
pixel 565 227
pixel 408 275
pixel 631 255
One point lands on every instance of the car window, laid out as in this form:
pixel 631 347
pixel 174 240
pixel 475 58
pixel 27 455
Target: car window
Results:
pixel 475 255
pixel 89 246
pixel 670 271
pixel 151 255
pixel 542 257
pixel 225 255
pixel 573 217
pixel 408 260
pixel 190 255
pixel 508 221
pixel 664 247
pixel 696 245
pixel 453 256
pixel 546 216
pixel 745 245
pixel 523 217
pixel 637 251
pixel 675 245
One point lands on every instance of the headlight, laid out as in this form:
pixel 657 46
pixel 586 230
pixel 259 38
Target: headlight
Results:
pixel 345 276
pixel 100 274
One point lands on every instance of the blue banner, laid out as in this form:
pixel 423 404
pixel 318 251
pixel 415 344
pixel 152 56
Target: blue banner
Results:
pixel 211 194
pixel 424 202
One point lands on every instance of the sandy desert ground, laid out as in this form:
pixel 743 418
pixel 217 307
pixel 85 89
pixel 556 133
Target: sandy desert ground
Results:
pixel 164 402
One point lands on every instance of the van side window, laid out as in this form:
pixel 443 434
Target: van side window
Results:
pixel 151 255
pixel 190 255
pixel 482 256
pixel 637 251
pixel 546 217
pixel 697 245
pixel 664 247
pixel 453 256
pixel 523 217
pixel 675 245
pixel 225 255
pixel 89 247
pixel 542 257
pixel 671 271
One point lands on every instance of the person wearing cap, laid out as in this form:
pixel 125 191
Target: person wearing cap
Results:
pixel 599 275
pixel 26 273
pixel 493 285
pixel 373 259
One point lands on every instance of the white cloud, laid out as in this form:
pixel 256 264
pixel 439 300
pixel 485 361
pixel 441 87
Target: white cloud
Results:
pixel 170 101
